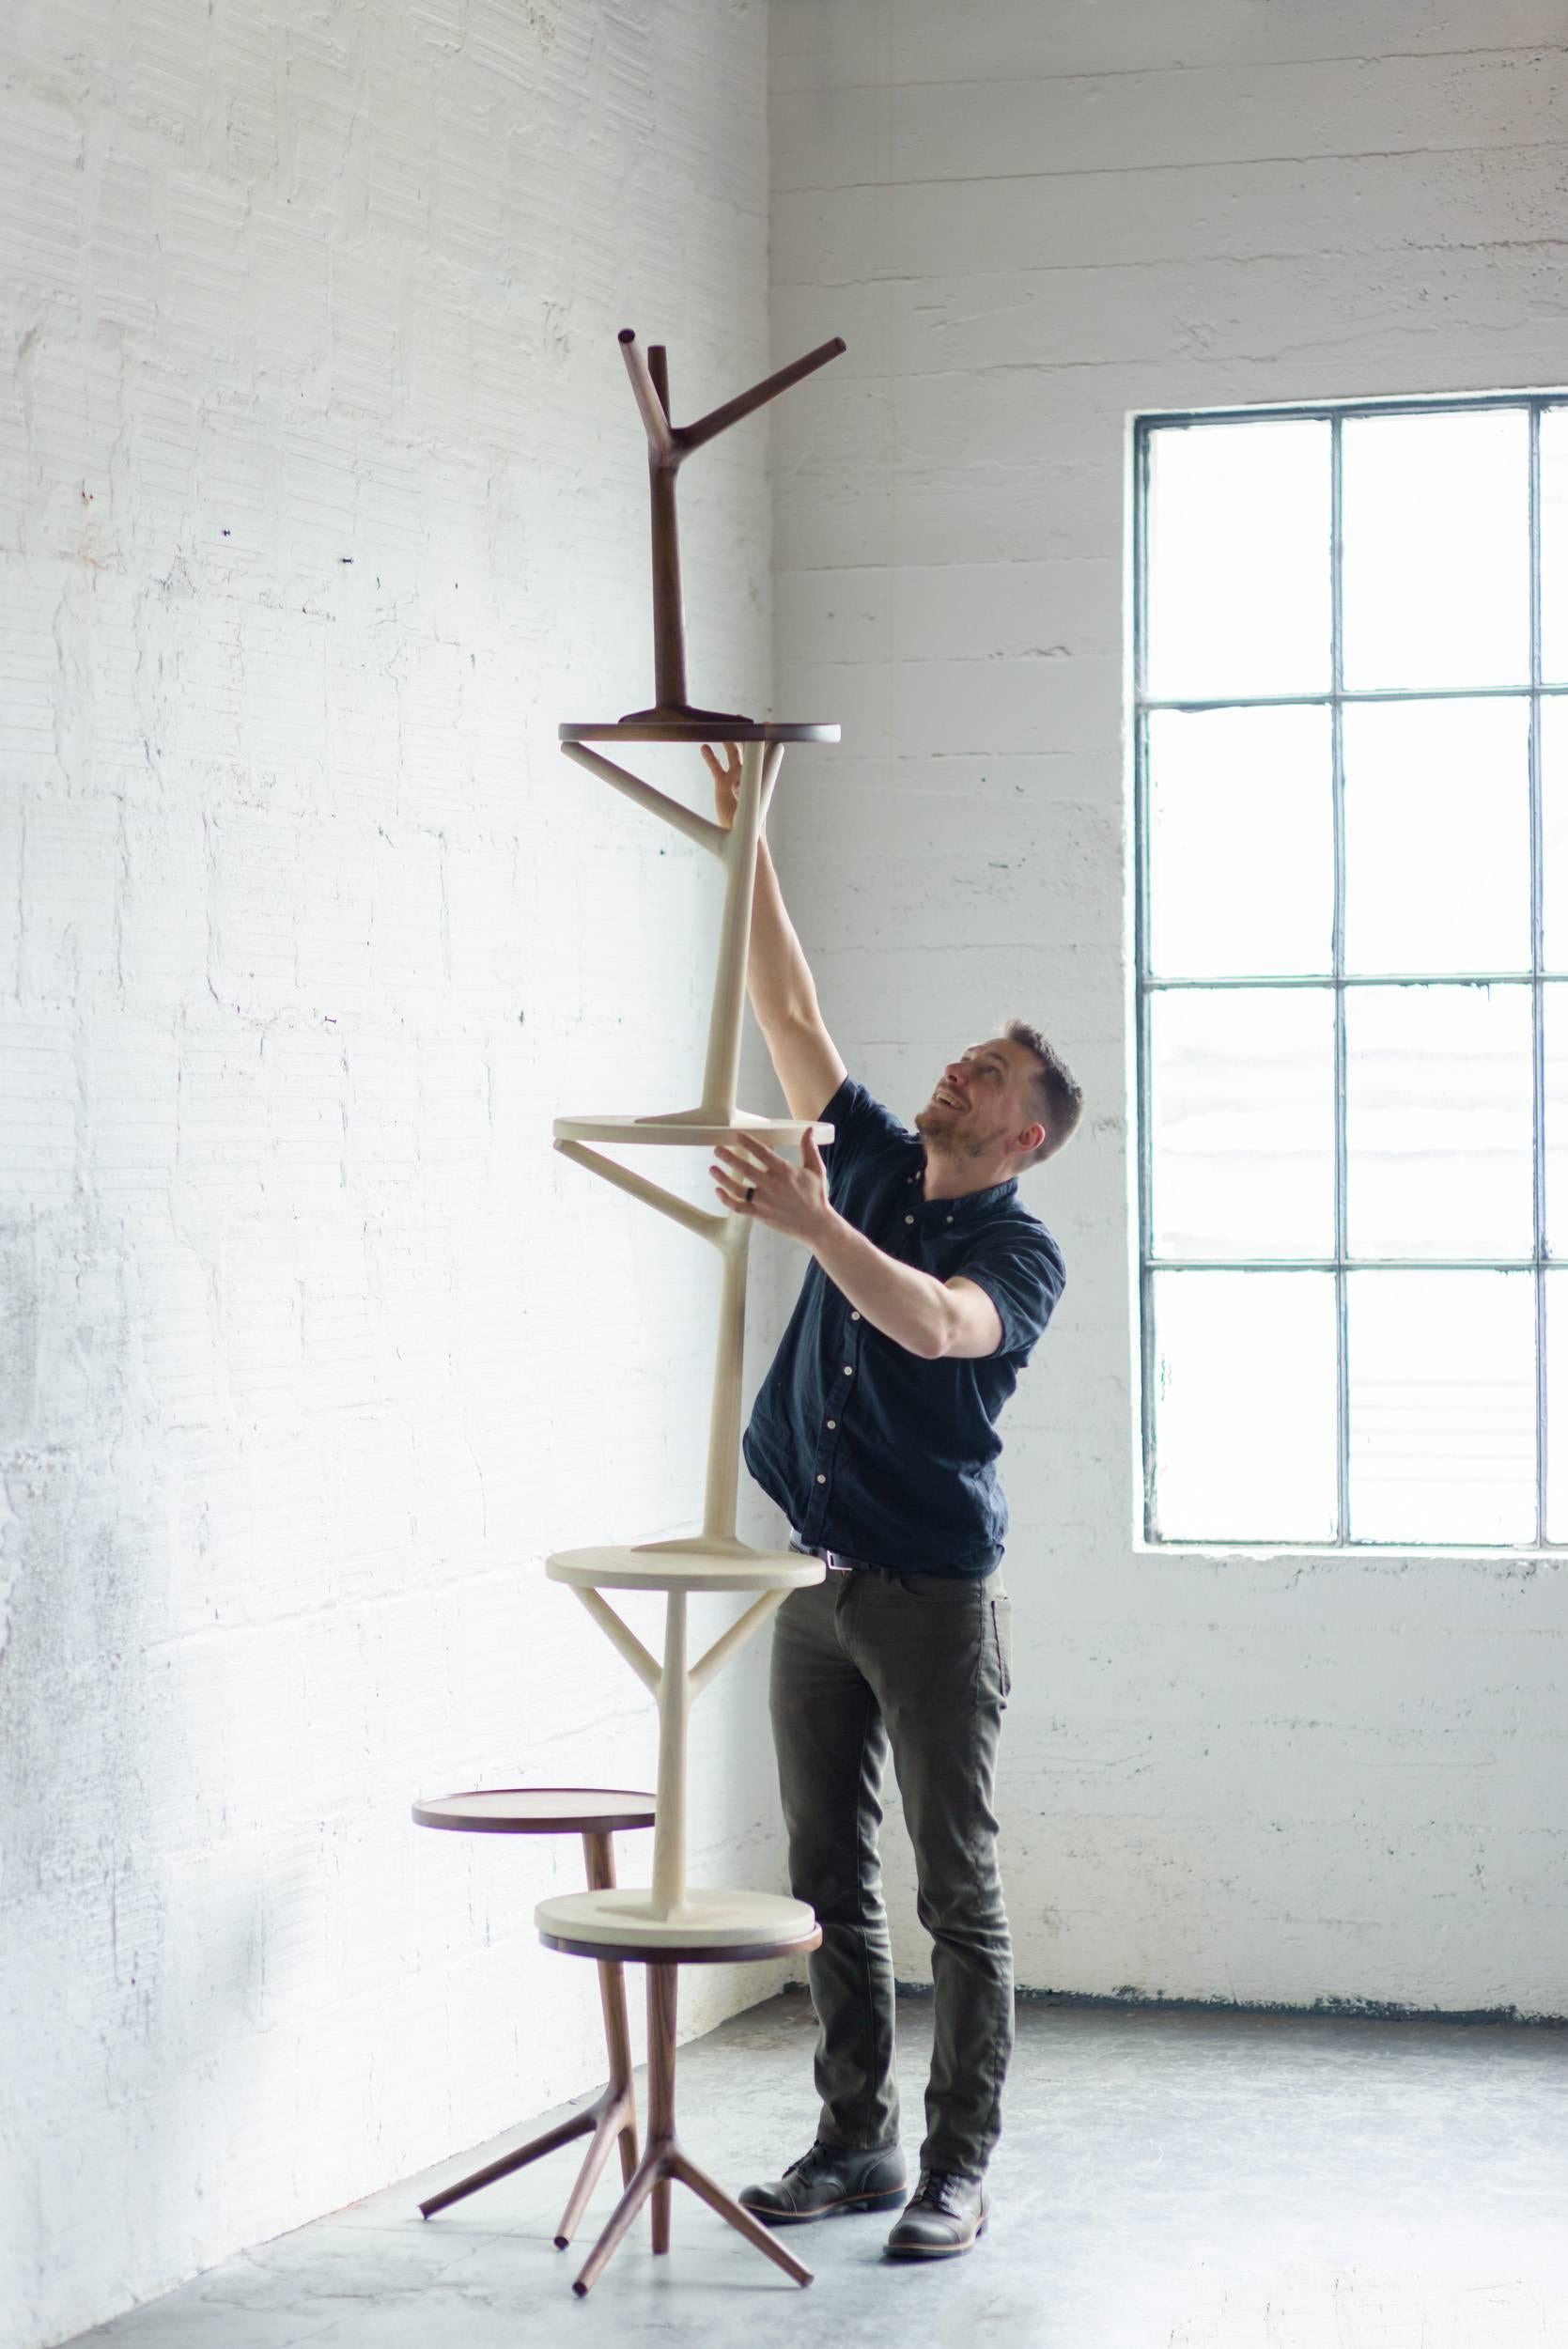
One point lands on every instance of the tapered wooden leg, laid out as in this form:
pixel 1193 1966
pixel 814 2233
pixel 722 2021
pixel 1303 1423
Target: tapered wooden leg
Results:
pixel 660 2212
pixel 738 2216
pixel 664 2162
pixel 578 2126
pixel 600 1852
pixel 663 1989
pixel 617 2033
pixel 653 2174
pixel 613 2124
pixel 610 2117
pixel 643 2180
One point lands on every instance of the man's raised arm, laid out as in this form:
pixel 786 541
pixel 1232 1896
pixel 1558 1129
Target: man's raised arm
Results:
pixel 784 993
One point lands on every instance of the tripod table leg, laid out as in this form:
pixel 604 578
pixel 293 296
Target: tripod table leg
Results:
pixel 663 1986
pixel 601 1855
pixel 663 2163
pixel 578 2126
pixel 614 2122
pixel 738 2216
pixel 621 2217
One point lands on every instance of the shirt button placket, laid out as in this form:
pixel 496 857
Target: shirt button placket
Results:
pixel 830 1425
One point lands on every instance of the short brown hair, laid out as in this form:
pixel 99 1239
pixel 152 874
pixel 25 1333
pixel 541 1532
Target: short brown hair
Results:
pixel 1058 1094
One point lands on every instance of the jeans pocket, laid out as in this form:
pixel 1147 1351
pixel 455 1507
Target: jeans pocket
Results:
pixel 1002 1637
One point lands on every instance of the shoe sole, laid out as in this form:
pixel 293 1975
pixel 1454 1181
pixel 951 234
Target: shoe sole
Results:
pixel 893 2200
pixel 933 2250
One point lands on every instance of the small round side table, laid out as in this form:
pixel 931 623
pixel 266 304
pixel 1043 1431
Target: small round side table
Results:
pixel 596 1814
pixel 663 2161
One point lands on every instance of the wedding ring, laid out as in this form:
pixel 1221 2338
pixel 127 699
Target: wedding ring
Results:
pixel 751 1192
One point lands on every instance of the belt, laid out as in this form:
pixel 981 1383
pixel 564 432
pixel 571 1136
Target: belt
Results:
pixel 836 1562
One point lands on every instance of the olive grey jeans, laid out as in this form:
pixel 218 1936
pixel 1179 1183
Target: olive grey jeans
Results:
pixel 921 1663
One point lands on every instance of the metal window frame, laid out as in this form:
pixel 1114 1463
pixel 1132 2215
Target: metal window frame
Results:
pixel 1533 405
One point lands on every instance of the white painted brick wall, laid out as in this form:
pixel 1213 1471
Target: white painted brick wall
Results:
pixel 1224 1777
pixel 322 501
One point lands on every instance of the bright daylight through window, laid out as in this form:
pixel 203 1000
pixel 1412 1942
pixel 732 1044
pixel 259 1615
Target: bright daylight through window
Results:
pixel 1352 813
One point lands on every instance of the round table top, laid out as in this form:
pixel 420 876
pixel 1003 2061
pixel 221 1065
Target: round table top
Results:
pixel 714 729
pixel 681 1953
pixel 707 1929
pixel 780 1133
pixel 537 1811
pixel 685 1565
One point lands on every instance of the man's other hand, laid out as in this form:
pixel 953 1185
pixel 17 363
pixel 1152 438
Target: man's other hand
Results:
pixel 726 781
pixel 754 1180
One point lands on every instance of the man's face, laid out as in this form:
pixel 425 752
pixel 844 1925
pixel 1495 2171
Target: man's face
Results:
pixel 983 1100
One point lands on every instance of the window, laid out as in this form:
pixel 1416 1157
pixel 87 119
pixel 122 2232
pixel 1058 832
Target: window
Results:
pixel 1352 968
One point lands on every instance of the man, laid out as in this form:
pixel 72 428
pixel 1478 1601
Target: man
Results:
pixel 875 1432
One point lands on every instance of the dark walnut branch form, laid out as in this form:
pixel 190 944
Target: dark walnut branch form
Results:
pixel 669 444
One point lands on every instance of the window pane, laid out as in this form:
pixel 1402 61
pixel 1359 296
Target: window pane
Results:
pixel 1438 1121
pixel 1554 830
pixel 1436 821
pixel 1442 1406
pixel 1242 1100
pixel 1244 1407
pixel 1435 522
pixel 1555 1026
pixel 1241 842
pixel 1238 523
pixel 1554 546
pixel 1556 1406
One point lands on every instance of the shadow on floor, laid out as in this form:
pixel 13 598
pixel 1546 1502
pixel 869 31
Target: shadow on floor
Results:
pixel 1169 2179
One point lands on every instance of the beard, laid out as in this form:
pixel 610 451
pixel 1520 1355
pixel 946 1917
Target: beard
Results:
pixel 937 1122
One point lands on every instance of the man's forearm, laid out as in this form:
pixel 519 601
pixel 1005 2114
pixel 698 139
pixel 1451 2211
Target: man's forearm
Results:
pixel 782 988
pixel 915 1310
pixel 926 1317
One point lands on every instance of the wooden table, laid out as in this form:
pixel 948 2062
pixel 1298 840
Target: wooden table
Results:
pixel 596 1814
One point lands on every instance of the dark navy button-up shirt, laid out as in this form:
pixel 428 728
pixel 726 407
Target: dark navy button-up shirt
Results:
pixel 867 1448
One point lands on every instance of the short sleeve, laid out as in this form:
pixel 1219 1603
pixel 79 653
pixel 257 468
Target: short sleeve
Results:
pixel 1021 1271
pixel 861 1125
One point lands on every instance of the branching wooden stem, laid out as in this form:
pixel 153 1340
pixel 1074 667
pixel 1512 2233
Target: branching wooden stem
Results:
pixel 669 444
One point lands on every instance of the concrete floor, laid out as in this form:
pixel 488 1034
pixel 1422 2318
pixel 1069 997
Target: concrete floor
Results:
pixel 1168 2179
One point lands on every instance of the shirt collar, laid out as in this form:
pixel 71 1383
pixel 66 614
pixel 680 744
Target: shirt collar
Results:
pixel 969 1205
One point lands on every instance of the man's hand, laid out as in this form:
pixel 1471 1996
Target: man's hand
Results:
pixel 754 1180
pixel 726 781
pixel 924 1315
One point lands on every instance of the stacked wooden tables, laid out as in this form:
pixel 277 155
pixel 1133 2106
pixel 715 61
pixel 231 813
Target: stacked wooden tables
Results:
pixel 668 1923
pixel 596 1814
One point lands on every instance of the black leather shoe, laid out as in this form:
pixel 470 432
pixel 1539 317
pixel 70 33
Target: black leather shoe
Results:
pixel 827 2182
pixel 947 2214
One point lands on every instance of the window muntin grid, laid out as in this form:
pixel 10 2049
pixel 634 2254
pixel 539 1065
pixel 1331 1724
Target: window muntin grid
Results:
pixel 1541 699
